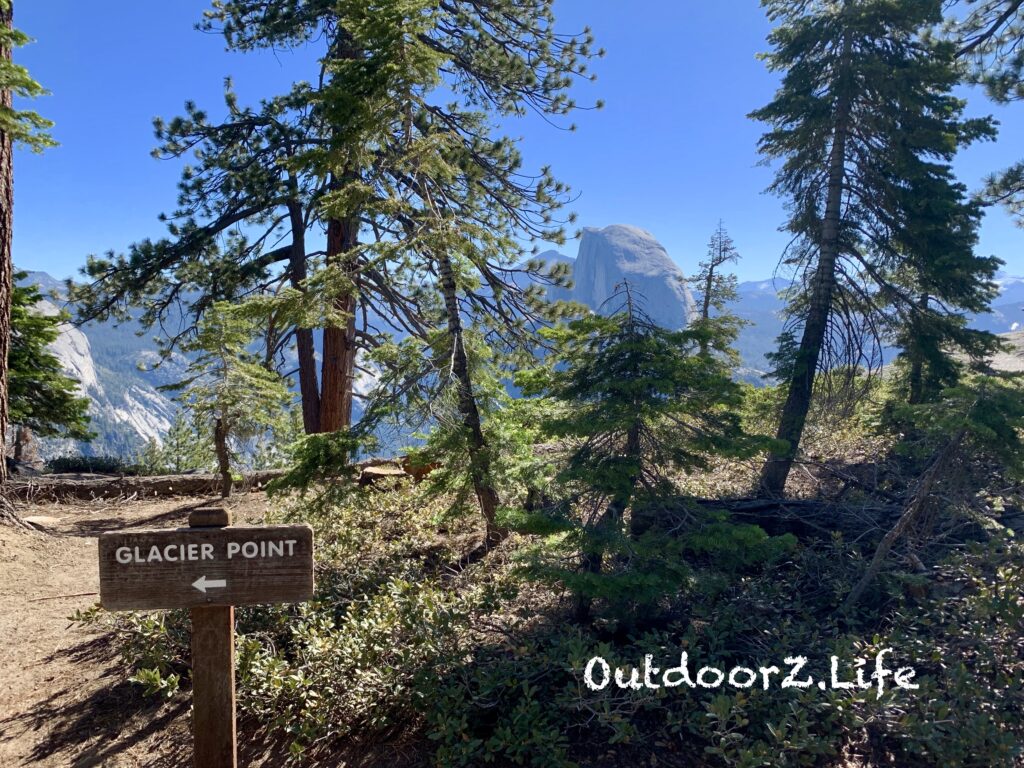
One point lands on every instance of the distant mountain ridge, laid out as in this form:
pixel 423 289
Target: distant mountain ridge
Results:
pixel 116 365
pixel 115 370
pixel 618 253
pixel 595 271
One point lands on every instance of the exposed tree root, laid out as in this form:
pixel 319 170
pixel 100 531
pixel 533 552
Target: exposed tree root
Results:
pixel 10 517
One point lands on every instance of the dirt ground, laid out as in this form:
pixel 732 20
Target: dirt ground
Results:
pixel 63 698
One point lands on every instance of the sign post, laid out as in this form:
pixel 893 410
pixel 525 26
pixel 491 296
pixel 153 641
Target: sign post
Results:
pixel 214 732
pixel 209 567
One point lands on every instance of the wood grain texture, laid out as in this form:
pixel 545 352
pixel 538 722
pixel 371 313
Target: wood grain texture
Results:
pixel 214 734
pixel 281 570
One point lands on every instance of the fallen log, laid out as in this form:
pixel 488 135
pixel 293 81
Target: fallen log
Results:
pixel 909 516
pixel 60 488
pixel 87 487
pixel 804 518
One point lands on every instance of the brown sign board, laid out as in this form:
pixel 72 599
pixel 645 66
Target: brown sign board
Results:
pixel 192 567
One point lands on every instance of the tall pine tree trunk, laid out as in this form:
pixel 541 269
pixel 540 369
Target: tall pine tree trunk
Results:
pixel 916 355
pixel 309 386
pixel 339 361
pixel 823 284
pixel 339 340
pixel 7 513
pixel 6 235
pixel 479 451
pixel 220 444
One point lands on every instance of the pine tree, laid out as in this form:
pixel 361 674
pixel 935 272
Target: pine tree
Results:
pixel 424 209
pixel 16 127
pixel 230 394
pixel 866 167
pixel 19 126
pixel 640 402
pixel 717 289
pixel 41 397
pixel 351 148
pixel 990 37
pixel 241 178
pixel 182 449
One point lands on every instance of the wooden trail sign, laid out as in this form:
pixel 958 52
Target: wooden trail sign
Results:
pixel 189 567
pixel 209 567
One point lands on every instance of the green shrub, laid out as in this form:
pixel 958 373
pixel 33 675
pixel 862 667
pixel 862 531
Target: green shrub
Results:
pixel 103 465
pixel 475 667
pixel 154 645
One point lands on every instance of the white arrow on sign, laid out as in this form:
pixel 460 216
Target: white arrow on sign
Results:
pixel 203 583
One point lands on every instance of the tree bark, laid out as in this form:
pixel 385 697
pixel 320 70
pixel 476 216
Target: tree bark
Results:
pixel 915 395
pixel 220 443
pixel 338 365
pixel 339 340
pixel 7 513
pixel 805 366
pixel 309 386
pixel 479 451
pixel 6 236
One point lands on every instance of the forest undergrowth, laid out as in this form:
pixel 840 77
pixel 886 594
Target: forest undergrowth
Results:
pixel 421 639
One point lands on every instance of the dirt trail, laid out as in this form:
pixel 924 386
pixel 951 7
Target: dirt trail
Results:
pixel 63 699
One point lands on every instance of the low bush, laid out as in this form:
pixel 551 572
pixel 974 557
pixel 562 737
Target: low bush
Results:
pixel 100 465
pixel 469 657
pixel 474 666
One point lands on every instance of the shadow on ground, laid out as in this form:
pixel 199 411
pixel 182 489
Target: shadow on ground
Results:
pixel 96 730
pixel 94 526
pixel 90 730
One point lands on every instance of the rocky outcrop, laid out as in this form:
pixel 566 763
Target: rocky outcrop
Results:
pixel 620 253
pixel 72 348
pixel 115 368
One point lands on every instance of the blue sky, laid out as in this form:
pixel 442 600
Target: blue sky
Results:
pixel 671 152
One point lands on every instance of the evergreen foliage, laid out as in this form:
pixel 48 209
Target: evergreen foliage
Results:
pixel 182 449
pixel 604 465
pixel 883 234
pixel 640 402
pixel 41 396
pixel 395 133
pixel 717 289
pixel 989 35
pixel 25 128
pixel 22 126
pixel 986 411
pixel 991 39
pixel 229 392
